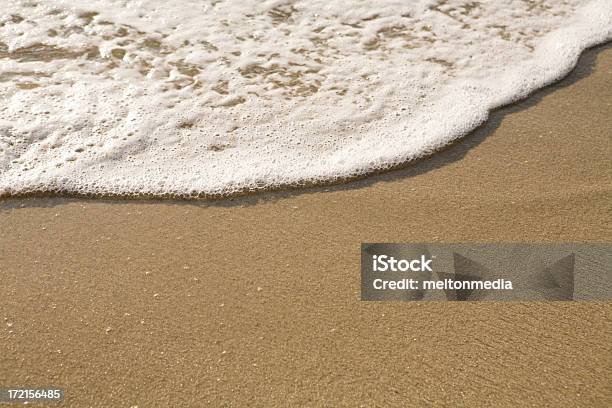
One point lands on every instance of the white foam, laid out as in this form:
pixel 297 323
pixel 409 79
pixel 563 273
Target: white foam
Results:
pixel 193 97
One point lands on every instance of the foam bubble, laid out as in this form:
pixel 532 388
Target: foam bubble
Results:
pixel 126 97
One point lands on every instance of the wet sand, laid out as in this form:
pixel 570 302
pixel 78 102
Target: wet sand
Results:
pixel 255 301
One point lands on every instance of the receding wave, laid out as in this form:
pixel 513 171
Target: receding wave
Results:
pixel 212 98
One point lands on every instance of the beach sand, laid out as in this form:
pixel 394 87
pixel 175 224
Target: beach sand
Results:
pixel 255 301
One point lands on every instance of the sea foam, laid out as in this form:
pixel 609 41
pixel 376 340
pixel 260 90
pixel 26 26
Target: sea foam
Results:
pixel 213 98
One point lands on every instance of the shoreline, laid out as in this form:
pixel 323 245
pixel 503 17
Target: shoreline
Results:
pixel 575 74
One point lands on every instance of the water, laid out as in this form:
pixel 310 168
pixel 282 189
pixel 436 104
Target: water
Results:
pixel 192 97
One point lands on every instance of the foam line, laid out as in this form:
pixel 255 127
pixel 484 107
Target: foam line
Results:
pixel 208 98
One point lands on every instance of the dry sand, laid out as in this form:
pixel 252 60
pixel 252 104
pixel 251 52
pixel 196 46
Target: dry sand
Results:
pixel 255 301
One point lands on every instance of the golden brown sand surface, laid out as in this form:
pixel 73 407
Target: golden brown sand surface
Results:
pixel 255 301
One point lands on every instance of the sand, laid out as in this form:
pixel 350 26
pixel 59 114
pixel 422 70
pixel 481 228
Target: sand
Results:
pixel 255 301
